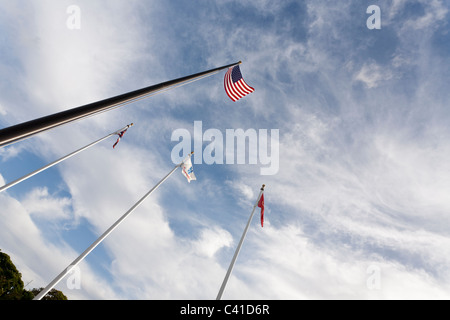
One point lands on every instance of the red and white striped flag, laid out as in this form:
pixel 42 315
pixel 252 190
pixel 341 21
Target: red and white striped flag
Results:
pixel 120 134
pixel 235 86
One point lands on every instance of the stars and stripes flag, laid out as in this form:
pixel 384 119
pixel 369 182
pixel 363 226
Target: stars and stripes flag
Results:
pixel 120 134
pixel 261 205
pixel 187 169
pixel 235 86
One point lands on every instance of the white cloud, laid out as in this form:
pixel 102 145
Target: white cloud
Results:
pixel 435 11
pixel 212 240
pixel 11 152
pixel 372 75
pixel 244 192
pixel 39 259
pixel 290 266
pixel 41 204
pixel 56 66
pixel 3 111
pixel 412 176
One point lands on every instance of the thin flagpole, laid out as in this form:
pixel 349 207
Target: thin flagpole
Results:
pixel 27 129
pixel 101 238
pixel 13 183
pixel 233 261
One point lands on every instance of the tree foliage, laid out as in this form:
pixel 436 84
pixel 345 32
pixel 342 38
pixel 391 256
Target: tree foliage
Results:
pixel 51 295
pixel 11 284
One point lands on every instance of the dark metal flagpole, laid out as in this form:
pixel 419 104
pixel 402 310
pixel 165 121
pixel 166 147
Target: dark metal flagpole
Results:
pixel 27 129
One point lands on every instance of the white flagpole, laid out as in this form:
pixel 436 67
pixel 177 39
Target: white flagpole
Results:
pixel 13 183
pixel 233 261
pixel 101 238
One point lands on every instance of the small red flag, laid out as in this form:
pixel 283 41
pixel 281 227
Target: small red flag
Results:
pixel 261 205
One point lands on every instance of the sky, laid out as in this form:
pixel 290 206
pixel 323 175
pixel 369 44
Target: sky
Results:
pixel 358 205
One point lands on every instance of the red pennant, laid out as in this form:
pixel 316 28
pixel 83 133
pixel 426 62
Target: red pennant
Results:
pixel 261 205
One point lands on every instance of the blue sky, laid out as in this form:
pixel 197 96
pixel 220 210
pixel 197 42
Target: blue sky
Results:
pixel 363 178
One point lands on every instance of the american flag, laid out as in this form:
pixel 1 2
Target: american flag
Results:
pixel 235 86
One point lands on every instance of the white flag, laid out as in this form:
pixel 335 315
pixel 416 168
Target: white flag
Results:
pixel 187 169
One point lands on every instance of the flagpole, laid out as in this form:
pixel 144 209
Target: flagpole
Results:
pixel 27 129
pixel 233 261
pixel 102 237
pixel 13 183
